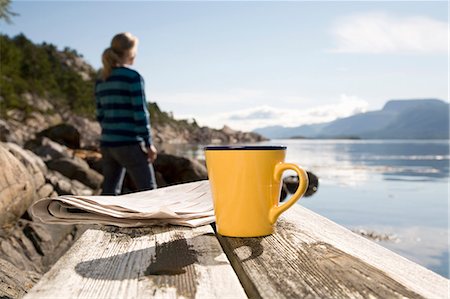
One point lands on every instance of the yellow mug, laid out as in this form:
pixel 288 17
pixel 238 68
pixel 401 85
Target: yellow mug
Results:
pixel 245 185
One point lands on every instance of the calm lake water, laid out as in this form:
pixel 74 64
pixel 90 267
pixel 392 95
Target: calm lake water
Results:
pixel 394 187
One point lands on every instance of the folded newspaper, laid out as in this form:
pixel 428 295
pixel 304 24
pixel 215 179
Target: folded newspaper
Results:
pixel 185 204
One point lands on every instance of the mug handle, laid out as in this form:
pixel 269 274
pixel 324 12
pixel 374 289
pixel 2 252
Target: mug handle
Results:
pixel 276 211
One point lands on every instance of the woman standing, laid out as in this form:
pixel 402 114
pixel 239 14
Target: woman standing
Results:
pixel 122 112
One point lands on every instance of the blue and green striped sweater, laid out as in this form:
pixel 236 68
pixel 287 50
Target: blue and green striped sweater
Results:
pixel 122 109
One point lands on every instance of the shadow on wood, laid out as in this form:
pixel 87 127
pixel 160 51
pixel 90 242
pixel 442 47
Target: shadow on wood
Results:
pixel 170 258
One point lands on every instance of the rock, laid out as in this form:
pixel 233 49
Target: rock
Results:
pixel 90 137
pixel 47 149
pixel 79 188
pixel 284 193
pixel 290 185
pixel 22 127
pixel 93 158
pixel 176 170
pixel 14 282
pixel 24 178
pixel 19 250
pixel 27 250
pixel 313 184
pixel 65 134
pixel 36 120
pixel 45 191
pixel 63 187
pixel 77 64
pixel 5 132
pixel 160 181
pixel 76 169
pixel 376 236
pixel 36 167
pixel 17 188
pixel 66 186
pixel 60 183
pixel 169 133
pixel 229 131
pixel 40 104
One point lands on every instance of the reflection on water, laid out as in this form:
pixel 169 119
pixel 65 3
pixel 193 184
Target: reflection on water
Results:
pixel 395 187
pixel 348 161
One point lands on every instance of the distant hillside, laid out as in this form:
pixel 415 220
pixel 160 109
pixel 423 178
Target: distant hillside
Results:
pixel 61 77
pixel 42 86
pixel 399 119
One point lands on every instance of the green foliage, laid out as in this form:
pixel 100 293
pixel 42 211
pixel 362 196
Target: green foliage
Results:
pixel 40 70
pixel 163 118
pixel 158 116
pixel 5 13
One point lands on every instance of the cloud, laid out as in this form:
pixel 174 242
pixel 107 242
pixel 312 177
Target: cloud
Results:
pixel 261 116
pixel 264 112
pixel 198 98
pixel 383 33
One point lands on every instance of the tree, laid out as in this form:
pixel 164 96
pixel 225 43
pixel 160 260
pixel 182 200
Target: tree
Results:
pixel 5 12
pixel 40 70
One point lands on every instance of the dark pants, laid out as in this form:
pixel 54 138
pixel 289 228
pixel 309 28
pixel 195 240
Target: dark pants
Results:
pixel 129 158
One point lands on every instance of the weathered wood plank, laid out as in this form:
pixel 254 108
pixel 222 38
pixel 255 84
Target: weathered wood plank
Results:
pixel 310 256
pixel 159 262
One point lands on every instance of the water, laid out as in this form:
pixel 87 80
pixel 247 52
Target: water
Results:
pixel 393 187
pixel 399 188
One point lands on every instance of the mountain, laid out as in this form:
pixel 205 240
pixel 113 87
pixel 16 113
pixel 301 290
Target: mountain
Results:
pixel 399 119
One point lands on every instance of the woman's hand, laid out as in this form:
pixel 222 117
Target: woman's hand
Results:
pixel 152 153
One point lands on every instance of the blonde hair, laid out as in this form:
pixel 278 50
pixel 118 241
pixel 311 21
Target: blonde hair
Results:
pixel 123 45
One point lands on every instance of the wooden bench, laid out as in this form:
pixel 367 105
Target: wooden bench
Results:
pixel 309 256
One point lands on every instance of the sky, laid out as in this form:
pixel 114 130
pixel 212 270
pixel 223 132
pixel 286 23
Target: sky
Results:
pixel 253 64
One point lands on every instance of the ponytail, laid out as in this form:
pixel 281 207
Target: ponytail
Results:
pixel 109 60
pixel 123 45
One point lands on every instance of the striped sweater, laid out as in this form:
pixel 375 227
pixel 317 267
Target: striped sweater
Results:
pixel 122 109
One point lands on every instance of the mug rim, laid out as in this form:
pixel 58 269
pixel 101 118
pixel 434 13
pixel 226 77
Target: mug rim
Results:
pixel 244 147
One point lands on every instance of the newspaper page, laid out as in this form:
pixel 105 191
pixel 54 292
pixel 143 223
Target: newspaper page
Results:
pixel 187 204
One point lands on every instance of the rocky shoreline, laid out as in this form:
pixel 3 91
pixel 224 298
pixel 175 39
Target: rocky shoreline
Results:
pixel 28 248
pixel 20 126
pixel 45 154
